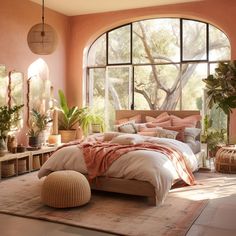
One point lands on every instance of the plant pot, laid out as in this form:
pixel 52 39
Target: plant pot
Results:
pixel 33 141
pixel 67 135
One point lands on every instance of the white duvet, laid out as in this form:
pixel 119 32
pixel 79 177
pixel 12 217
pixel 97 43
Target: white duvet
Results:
pixel 143 165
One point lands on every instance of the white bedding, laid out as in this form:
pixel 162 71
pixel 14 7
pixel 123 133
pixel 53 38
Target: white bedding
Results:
pixel 143 165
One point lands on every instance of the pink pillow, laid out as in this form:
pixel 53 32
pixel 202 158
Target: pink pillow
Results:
pixel 161 118
pixel 148 133
pixel 157 124
pixel 136 118
pixel 190 121
pixel 145 129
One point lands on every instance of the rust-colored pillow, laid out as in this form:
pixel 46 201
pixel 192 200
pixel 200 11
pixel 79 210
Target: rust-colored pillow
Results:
pixel 161 118
pixel 189 121
pixel 179 129
pixel 136 119
pixel 159 124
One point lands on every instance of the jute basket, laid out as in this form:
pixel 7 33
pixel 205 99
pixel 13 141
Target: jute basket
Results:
pixel 21 166
pixel 8 169
pixel 36 162
pixel 225 160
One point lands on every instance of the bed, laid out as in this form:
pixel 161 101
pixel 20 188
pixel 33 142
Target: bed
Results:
pixel 132 178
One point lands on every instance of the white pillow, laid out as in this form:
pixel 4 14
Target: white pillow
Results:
pixel 128 127
pixel 190 134
pixel 128 139
pixel 108 136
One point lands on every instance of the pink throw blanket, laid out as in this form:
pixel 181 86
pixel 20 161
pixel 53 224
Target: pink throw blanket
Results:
pixel 99 157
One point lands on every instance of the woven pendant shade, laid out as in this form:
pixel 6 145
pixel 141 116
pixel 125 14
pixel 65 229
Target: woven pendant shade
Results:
pixel 42 39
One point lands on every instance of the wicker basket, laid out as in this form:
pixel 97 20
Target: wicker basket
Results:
pixel 36 162
pixel 45 158
pixel 22 166
pixel 225 160
pixel 8 169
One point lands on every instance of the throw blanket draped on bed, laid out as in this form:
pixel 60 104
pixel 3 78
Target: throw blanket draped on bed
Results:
pixel 99 157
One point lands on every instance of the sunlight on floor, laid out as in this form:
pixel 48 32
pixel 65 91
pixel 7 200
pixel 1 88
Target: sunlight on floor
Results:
pixel 209 187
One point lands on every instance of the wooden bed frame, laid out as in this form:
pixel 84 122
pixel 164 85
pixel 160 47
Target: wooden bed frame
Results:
pixel 135 187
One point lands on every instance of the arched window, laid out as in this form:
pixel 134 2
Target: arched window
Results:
pixel 153 64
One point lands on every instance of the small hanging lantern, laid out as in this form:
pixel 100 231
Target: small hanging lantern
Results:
pixel 42 38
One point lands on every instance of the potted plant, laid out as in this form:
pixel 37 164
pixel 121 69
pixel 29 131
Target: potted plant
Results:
pixel 221 89
pixel 37 125
pixel 9 119
pixel 91 121
pixel 68 118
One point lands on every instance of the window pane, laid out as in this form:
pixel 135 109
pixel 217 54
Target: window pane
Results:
pixel 16 88
pixel 156 41
pixel 219 45
pixel 193 86
pixel 194 40
pixel 97 52
pixel 118 84
pixel 156 87
pixel 3 85
pixel 119 45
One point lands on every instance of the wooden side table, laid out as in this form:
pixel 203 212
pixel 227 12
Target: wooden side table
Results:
pixel 225 160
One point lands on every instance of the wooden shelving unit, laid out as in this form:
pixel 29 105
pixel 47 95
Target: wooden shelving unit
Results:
pixel 13 164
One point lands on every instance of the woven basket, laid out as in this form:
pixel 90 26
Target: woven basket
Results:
pixel 225 160
pixel 36 162
pixel 45 158
pixel 21 166
pixel 8 169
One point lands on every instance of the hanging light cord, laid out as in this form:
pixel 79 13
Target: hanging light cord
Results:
pixel 43 32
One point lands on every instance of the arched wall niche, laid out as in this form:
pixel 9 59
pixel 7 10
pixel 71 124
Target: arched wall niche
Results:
pixel 38 87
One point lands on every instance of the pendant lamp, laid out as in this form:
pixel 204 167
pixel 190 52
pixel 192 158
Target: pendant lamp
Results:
pixel 42 38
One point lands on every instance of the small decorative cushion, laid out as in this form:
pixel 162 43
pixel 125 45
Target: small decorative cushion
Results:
pixel 190 134
pixel 128 139
pixel 161 118
pixel 108 136
pixel 136 119
pixel 159 124
pixel 164 133
pixel 179 129
pixel 190 121
pixel 128 127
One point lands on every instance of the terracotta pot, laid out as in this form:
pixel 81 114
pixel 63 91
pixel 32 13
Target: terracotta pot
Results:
pixel 67 135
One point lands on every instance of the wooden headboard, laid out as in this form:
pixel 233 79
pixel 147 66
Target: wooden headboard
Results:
pixel 121 114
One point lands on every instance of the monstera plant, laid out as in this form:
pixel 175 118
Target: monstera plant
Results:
pixel 221 88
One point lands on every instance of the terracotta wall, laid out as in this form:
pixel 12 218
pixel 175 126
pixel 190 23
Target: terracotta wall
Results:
pixel 16 18
pixel 86 28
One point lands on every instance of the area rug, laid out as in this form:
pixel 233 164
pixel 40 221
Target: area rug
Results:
pixel 114 213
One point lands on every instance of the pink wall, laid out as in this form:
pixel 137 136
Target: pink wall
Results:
pixel 86 28
pixel 16 18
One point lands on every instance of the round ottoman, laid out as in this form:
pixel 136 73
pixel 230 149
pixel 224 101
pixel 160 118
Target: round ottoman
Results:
pixel 67 188
pixel 225 160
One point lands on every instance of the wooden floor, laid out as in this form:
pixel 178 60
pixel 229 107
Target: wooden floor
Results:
pixel 217 219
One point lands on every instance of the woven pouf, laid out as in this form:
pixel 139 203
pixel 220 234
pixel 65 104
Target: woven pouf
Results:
pixel 225 160
pixel 67 188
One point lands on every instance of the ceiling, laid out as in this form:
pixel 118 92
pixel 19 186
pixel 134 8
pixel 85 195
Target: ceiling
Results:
pixel 81 7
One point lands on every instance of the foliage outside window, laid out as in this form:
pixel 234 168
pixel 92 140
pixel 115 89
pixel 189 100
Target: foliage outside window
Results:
pixel 154 64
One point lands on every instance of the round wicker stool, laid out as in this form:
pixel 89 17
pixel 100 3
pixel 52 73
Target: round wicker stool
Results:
pixel 225 160
pixel 67 188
